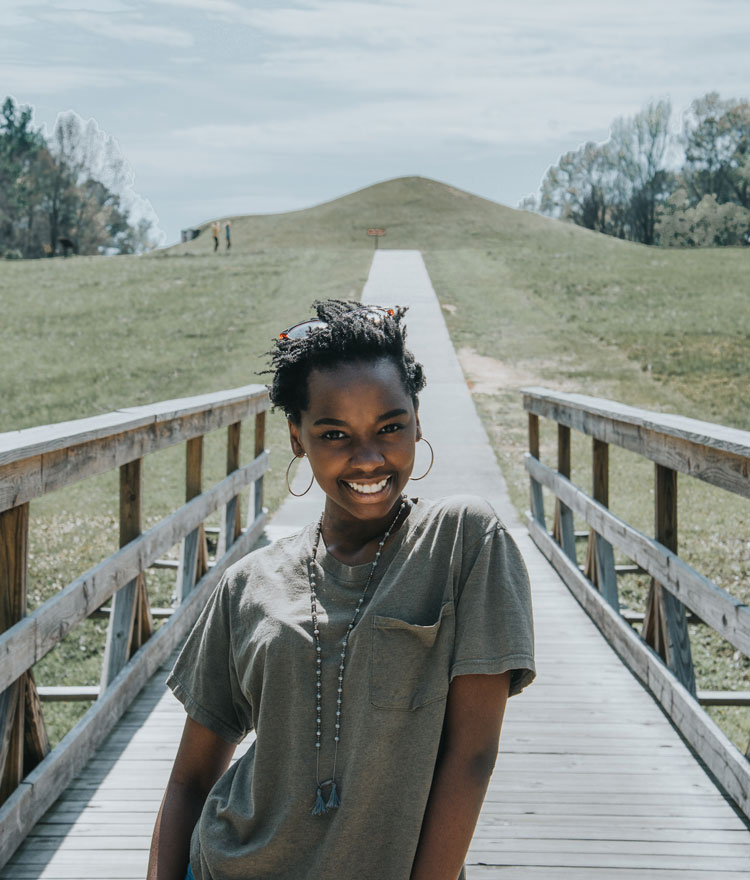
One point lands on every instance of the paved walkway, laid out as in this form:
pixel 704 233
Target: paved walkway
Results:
pixel 591 782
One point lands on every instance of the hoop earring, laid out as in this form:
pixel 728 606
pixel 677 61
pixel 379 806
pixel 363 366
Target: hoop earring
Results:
pixel 432 460
pixel 297 494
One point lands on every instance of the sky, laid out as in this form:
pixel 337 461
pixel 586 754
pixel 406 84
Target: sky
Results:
pixel 224 107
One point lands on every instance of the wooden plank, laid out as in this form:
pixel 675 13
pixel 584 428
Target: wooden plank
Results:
pixel 117 649
pixel 723 698
pixel 709 742
pixel 720 610
pixel 64 694
pixel 14 540
pixel 30 639
pixel 36 741
pixel 193 553
pixel 665 623
pixel 53 775
pixel 260 448
pixel 231 521
pixel 563 531
pixel 40 460
pixel 536 499
pixel 712 453
pixel 601 558
pixel 17 445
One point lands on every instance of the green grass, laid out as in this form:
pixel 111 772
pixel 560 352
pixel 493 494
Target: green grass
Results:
pixel 527 300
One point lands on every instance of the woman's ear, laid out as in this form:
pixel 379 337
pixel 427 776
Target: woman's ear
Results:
pixel 297 448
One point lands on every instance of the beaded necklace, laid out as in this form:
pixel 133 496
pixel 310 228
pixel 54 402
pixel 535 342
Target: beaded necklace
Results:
pixel 322 806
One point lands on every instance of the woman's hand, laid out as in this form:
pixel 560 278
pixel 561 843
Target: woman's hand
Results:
pixel 201 759
pixel 473 718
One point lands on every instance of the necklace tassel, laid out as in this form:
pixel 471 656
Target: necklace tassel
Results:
pixel 333 799
pixel 320 805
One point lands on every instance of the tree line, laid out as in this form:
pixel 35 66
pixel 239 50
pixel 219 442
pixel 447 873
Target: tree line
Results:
pixel 650 184
pixel 64 192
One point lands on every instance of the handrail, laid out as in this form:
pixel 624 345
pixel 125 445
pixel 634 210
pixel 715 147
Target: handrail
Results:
pixel 51 456
pixel 662 656
pixel 713 453
pixel 35 461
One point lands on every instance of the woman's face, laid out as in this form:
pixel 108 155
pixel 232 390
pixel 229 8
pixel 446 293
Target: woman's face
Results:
pixel 359 433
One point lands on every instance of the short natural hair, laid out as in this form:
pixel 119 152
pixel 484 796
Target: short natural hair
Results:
pixel 350 337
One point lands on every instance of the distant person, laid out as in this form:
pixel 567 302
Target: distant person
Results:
pixel 215 230
pixel 228 232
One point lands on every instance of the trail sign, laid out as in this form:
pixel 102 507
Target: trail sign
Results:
pixel 376 233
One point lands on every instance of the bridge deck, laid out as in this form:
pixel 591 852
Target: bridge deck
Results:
pixel 592 781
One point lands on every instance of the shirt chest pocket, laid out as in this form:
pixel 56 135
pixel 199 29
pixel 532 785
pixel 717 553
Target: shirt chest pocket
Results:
pixel 411 663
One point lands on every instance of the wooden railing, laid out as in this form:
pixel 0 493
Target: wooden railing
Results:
pixel 36 461
pixel 661 657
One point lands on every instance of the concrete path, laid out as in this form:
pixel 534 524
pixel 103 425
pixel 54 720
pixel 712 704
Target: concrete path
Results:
pixel 591 782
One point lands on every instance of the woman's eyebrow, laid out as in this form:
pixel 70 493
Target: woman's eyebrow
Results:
pixel 392 413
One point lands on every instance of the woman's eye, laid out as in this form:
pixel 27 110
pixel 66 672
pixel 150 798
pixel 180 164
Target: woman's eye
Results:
pixel 390 429
pixel 333 435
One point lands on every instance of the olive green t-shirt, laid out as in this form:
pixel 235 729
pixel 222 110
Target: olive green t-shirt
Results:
pixel 450 596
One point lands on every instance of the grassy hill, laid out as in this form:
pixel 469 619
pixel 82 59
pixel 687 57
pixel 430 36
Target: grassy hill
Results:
pixel 526 299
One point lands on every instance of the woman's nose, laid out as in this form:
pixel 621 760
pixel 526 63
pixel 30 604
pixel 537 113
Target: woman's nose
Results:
pixel 367 455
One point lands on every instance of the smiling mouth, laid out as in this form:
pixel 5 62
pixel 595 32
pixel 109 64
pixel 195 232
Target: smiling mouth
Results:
pixel 368 488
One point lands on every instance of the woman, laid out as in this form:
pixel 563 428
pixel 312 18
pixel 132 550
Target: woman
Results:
pixel 372 653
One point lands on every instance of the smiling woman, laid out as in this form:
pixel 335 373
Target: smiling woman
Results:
pixel 372 653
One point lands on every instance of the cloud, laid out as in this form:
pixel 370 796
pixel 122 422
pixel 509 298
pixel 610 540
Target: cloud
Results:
pixel 125 29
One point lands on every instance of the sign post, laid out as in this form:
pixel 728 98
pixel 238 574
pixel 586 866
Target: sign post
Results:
pixel 376 233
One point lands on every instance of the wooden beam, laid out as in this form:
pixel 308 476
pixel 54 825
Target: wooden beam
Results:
pixel 717 608
pixel 47 781
pixel 31 638
pixel 63 694
pixel 665 624
pixel 260 447
pixel 536 499
pixel 39 460
pixel 600 560
pixel 193 553
pixel 730 768
pixel 23 735
pixel 231 522
pixel 122 618
pixel 563 529
pixel 712 453
pixel 723 698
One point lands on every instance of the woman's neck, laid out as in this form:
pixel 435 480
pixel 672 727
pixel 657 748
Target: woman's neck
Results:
pixel 355 541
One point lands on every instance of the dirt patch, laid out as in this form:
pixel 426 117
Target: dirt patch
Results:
pixel 451 309
pixel 485 375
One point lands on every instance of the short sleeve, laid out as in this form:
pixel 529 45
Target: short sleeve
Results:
pixel 494 622
pixel 204 678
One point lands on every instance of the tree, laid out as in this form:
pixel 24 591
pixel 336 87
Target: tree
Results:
pixel 716 137
pixel 707 224
pixel 75 186
pixel 574 189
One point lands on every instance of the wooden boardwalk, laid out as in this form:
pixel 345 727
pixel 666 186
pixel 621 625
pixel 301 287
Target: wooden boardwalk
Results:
pixel 592 780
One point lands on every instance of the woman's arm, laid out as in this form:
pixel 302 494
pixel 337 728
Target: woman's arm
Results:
pixel 201 759
pixel 474 715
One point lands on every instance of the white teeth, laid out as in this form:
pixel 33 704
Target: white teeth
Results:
pixel 368 488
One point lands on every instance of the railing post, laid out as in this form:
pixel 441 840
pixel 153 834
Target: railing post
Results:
pixel 600 560
pixel 665 626
pixel 194 552
pixel 231 524
pixel 260 445
pixel 23 738
pixel 537 499
pixel 563 530
pixel 130 621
